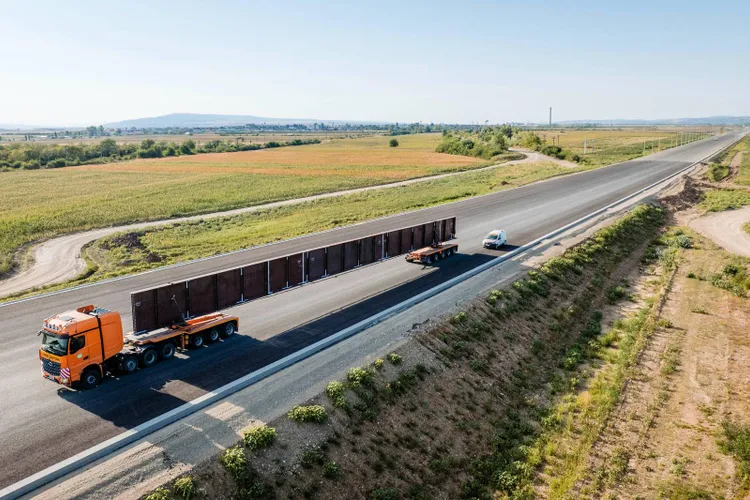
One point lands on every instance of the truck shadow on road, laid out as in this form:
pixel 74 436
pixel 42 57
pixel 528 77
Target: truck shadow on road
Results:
pixel 129 400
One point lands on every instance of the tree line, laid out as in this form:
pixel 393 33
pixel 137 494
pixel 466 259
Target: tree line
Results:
pixel 30 156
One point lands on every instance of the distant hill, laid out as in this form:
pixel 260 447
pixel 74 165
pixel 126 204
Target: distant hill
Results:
pixel 191 120
pixel 709 120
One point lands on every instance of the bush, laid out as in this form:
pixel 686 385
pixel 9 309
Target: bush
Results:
pixel 335 391
pixel 378 363
pixel 235 461
pixel 185 487
pixel 494 296
pixel 736 442
pixel 331 470
pixel 159 494
pixel 395 358
pixel 616 294
pixel 458 318
pixel 731 269
pixel 259 437
pixel 310 413
pixel 360 376
pixel 384 494
pixel 393 143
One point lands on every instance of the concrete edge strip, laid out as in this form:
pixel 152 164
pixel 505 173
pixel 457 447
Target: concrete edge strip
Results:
pixel 338 193
pixel 115 443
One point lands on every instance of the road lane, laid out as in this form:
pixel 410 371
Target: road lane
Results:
pixel 36 414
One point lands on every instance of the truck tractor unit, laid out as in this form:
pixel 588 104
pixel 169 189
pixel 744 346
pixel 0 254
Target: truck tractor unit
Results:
pixel 80 347
pixel 428 255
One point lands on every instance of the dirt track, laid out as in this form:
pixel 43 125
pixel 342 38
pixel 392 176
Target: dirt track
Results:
pixel 725 228
pixel 59 259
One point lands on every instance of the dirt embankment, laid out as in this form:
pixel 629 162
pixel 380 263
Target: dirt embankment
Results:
pixel 456 414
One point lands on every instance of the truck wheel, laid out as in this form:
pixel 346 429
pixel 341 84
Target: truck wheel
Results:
pixel 428 260
pixel 196 340
pixel 229 329
pixel 213 335
pixel 149 357
pixel 167 350
pixel 91 378
pixel 129 364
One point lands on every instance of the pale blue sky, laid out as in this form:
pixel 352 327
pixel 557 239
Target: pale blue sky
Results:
pixel 90 62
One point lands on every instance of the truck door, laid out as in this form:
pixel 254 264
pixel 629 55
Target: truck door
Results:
pixel 78 359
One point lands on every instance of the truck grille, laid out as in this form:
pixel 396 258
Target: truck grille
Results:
pixel 51 367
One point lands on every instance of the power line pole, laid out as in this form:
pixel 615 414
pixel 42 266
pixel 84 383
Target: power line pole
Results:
pixel 550 117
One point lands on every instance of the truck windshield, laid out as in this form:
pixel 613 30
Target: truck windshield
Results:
pixel 54 343
pixel 492 236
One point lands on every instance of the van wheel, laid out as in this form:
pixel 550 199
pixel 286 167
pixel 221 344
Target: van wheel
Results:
pixel 196 340
pixel 229 329
pixel 149 358
pixel 91 378
pixel 167 350
pixel 213 335
pixel 129 364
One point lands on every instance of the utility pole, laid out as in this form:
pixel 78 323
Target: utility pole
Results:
pixel 550 117
pixel 584 146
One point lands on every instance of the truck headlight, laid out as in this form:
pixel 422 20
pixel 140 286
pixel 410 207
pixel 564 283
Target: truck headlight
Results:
pixel 64 381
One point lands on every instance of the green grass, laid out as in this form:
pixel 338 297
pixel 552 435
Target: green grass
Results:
pixel 718 200
pixel 735 441
pixel 743 177
pixel 199 239
pixel 40 204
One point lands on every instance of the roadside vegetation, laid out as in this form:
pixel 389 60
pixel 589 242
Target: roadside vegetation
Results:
pixel 448 417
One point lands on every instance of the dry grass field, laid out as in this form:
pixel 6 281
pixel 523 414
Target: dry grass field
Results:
pixel 248 138
pixel 43 203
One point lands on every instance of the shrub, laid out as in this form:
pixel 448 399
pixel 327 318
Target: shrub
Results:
pixel 185 487
pixel 458 318
pixel 395 358
pixel 360 376
pixel 310 413
pixel 335 391
pixel 494 296
pixel 731 269
pixel 384 494
pixel 684 241
pixel 235 461
pixel 159 494
pixel 378 364
pixel 736 442
pixel 616 294
pixel 692 275
pixel 393 143
pixel 331 470
pixel 259 437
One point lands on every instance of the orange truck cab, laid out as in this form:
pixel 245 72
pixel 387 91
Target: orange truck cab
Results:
pixel 83 345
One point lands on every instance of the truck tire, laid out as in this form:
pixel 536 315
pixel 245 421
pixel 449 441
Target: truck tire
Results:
pixel 149 357
pixel 229 329
pixel 129 364
pixel 166 350
pixel 196 340
pixel 91 377
pixel 213 335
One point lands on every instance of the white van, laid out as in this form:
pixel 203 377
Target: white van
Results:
pixel 496 239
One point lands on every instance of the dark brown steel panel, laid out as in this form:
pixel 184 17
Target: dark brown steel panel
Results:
pixel 202 295
pixel 168 310
pixel 366 255
pixel 440 230
pixel 316 263
pixel 255 277
pixel 143 306
pixel 418 236
pixel 406 238
pixel 278 274
pixel 351 253
pixel 335 258
pixel 429 234
pixel 450 228
pixel 295 269
pixel 379 247
pixel 394 243
pixel 230 288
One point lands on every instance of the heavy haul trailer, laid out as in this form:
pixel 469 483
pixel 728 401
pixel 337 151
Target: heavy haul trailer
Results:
pixel 82 346
pixel 433 253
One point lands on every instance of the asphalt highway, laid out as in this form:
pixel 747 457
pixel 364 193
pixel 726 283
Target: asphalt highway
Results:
pixel 42 424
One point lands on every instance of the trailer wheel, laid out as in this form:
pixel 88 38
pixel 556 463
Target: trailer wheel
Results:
pixel 91 378
pixel 229 329
pixel 428 260
pixel 149 357
pixel 166 350
pixel 196 340
pixel 213 335
pixel 129 364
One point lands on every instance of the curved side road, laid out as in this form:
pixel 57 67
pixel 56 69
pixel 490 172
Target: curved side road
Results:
pixel 59 259
pixel 725 229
